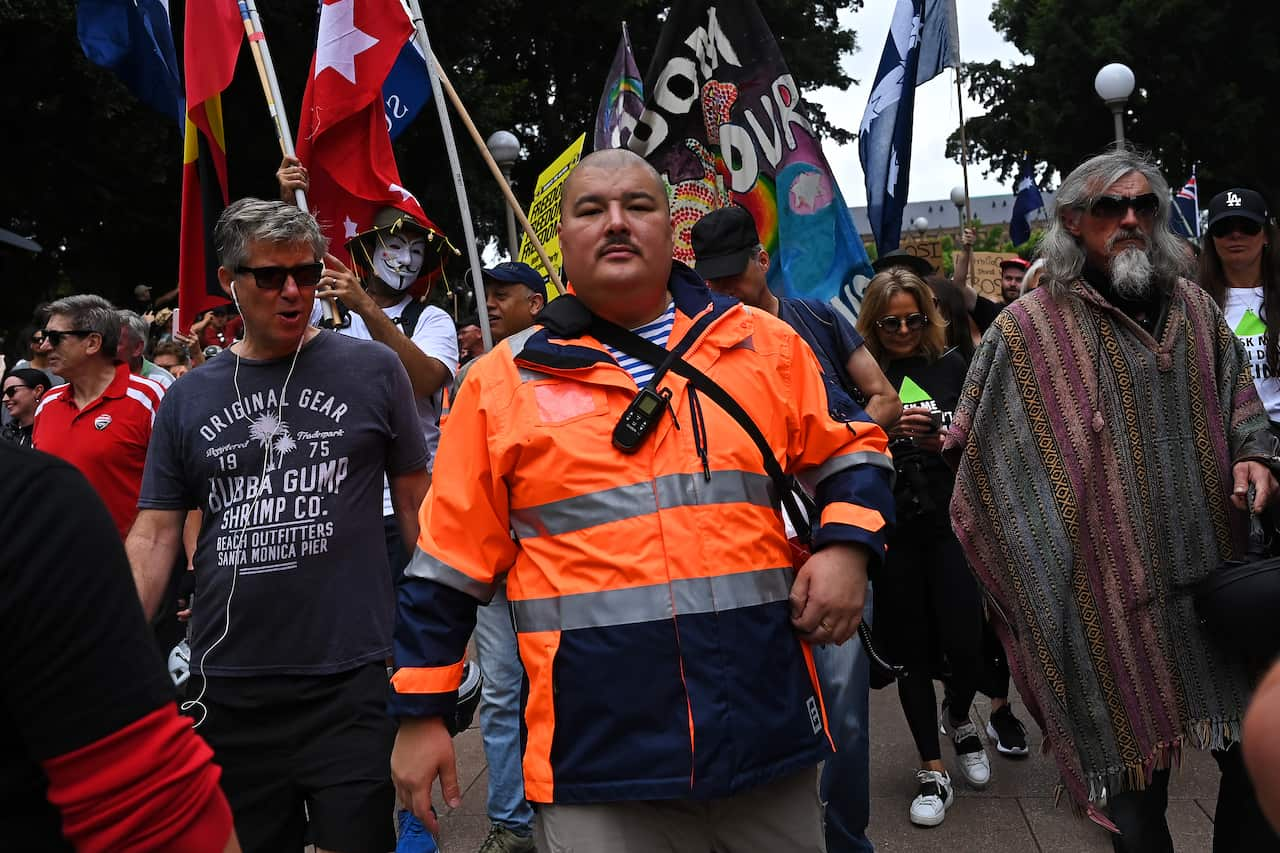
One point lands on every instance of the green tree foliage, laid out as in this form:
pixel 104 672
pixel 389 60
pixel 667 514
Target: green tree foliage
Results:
pixel 95 176
pixel 1206 88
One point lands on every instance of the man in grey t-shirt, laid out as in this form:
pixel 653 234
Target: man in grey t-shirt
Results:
pixel 282 442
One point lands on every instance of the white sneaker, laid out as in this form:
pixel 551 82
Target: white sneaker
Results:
pixel 929 808
pixel 975 767
pixel 971 756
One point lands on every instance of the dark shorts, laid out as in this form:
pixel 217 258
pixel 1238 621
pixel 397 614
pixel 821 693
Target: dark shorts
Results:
pixel 305 759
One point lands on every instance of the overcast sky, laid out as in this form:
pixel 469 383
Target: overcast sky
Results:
pixel 936 113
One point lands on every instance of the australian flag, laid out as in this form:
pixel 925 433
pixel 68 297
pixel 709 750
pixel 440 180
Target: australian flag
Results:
pixel 1026 201
pixel 135 40
pixel 1186 210
pixel 922 41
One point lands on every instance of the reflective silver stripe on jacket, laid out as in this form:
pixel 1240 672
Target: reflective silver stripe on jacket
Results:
pixel 653 603
pixel 427 567
pixel 812 477
pixel 637 499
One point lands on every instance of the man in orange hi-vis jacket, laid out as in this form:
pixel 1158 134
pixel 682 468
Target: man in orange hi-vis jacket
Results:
pixel 672 702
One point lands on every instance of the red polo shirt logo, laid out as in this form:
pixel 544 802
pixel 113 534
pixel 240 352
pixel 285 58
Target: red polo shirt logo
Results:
pixel 110 458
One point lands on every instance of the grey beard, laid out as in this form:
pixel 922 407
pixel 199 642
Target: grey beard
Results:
pixel 1131 273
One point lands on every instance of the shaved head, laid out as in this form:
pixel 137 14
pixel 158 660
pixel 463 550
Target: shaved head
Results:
pixel 612 160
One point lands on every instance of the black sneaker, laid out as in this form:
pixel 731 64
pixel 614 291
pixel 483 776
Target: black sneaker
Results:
pixel 1007 732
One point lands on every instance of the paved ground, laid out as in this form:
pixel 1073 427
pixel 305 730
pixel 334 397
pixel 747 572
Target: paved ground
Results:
pixel 1014 814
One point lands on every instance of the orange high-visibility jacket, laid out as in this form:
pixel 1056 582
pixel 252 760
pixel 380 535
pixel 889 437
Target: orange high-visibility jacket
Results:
pixel 649 593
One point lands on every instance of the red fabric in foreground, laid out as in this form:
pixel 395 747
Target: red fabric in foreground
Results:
pixel 150 786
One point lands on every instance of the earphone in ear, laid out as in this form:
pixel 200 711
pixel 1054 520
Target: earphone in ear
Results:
pixel 235 298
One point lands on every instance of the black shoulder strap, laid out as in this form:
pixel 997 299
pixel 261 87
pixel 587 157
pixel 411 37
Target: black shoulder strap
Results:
pixel 408 319
pixel 633 345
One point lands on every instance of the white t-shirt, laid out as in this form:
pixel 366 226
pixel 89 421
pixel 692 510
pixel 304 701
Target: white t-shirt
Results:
pixel 436 336
pixel 1244 315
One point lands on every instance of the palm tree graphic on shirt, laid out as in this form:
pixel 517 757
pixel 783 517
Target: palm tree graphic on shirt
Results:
pixel 273 434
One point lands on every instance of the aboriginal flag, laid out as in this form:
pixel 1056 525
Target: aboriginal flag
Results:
pixel 213 32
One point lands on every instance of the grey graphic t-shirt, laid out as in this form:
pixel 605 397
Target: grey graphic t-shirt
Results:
pixel 289 479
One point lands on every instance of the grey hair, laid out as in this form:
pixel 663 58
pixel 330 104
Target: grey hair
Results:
pixel 139 329
pixel 254 220
pixel 1061 250
pixel 92 314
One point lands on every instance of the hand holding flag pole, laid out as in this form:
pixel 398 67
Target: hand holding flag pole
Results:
pixel 275 104
pixel 270 86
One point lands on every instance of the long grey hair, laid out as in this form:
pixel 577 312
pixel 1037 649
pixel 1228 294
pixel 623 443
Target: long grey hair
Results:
pixel 1061 250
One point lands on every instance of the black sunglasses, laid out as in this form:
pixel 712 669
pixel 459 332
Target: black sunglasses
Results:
pixel 273 278
pixel 1115 206
pixel 1223 227
pixel 55 336
pixel 913 322
pixel 13 389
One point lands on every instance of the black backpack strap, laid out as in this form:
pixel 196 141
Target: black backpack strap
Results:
pixel 408 319
pixel 635 346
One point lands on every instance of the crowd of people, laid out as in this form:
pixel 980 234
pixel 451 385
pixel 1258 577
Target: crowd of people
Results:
pixel 666 508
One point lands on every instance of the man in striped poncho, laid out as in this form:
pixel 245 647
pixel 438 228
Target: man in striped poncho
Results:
pixel 1107 427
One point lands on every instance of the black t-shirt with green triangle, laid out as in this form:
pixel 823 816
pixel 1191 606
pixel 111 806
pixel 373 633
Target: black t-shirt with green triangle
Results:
pixel 934 385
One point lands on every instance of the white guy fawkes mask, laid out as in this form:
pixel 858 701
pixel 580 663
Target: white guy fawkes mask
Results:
pixel 397 260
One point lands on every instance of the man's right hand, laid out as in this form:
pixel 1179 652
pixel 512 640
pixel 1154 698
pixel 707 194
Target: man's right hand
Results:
pixel 292 176
pixel 423 751
pixel 967 238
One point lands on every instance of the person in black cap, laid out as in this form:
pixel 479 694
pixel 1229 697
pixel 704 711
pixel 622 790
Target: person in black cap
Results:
pixel 514 294
pixel 1240 268
pixel 906 260
pixel 729 256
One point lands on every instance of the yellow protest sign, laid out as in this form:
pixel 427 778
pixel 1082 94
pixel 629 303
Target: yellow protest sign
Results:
pixel 544 212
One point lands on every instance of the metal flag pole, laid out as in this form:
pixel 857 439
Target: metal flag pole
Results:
pixel 440 80
pixel 270 87
pixel 513 205
pixel 464 207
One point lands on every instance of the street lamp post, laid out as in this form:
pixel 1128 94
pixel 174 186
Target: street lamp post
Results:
pixel 505 148
pixel 958 198
pixel 921 224
pixel 1114 84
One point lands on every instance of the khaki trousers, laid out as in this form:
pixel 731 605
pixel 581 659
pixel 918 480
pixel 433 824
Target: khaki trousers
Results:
pixel 783 816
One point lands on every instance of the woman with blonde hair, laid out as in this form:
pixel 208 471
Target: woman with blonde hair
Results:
pixel 927 601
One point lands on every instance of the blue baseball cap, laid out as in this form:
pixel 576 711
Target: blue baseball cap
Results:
pixel 514 272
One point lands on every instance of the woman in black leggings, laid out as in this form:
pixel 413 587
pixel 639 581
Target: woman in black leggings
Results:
pixel 927 601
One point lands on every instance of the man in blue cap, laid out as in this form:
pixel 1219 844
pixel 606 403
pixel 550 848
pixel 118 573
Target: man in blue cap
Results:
pixel 515 293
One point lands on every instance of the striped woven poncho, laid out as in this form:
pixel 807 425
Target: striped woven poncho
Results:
pixel 1092 491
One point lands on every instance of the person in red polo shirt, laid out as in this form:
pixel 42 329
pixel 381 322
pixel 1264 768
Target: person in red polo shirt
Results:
pixel 100 421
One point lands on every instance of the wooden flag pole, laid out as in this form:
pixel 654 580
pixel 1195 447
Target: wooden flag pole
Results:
pixel 275 105
pixel 964 163
pixel 498 176
pixel 270 86
pixel 438 73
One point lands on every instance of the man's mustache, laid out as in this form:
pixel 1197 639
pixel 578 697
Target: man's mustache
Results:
pixel 1127 234
pixel 622 241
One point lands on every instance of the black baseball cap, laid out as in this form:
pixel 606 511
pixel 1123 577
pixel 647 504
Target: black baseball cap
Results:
pixel 1243 203
pixel 514 272
pixel 723 241
pixel 903 258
